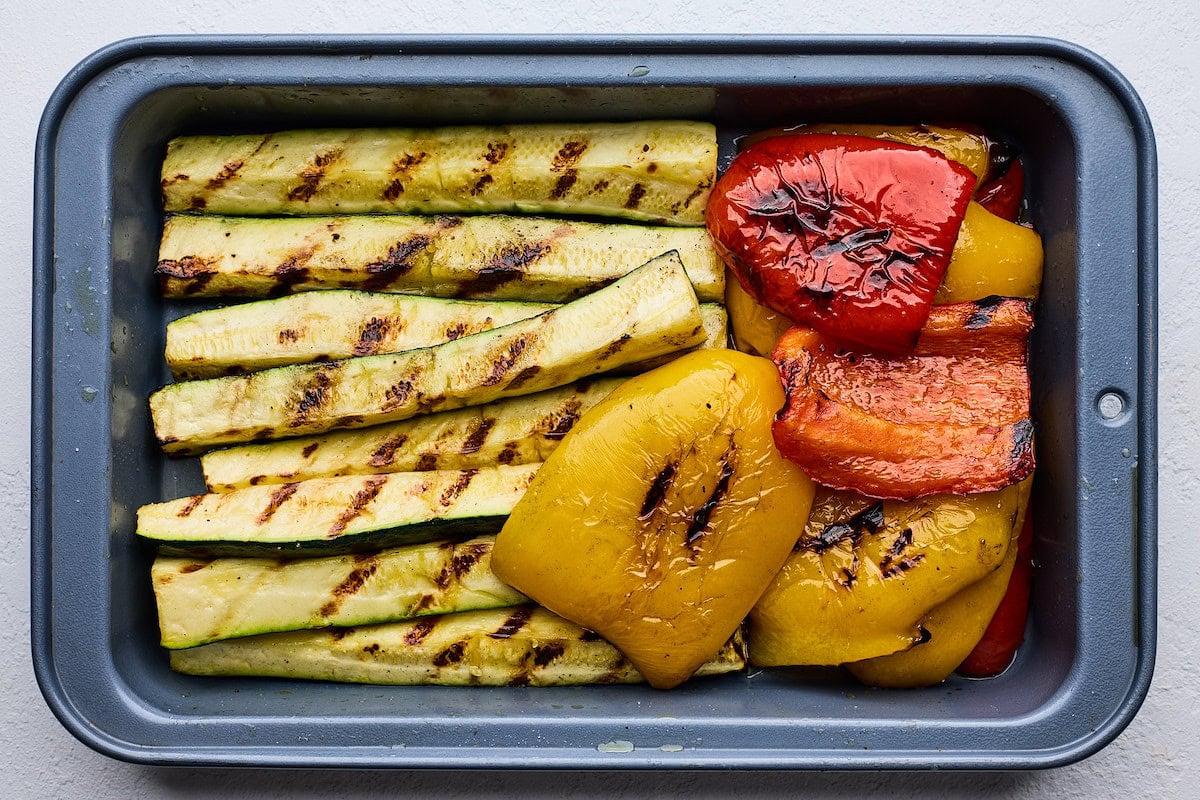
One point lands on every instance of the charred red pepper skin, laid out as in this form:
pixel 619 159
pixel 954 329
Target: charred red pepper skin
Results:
pixel 844 234
pixel 1002 196
pixel 1006 631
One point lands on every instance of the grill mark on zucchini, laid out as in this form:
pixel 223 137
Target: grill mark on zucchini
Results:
pixel 495 153
pixel 228 171
pixel 402 169
pixel 427 462
pixel 186 268
pixel 565 161
pixel 460 485
pixel 481 184
pixel 687 201
pixel 599 186
pixel 187 569
pixel 514 623
pixel 360 501
pixel 357 578
pixel 385 454
pixel 460 564
pixel 397 394
pixel 371 337
pixel 507 265
pixel 636 193
pixel 289 335
pixel 478 436
pixel 451 655
pixel 191 506
pixel 524 376
pixel 420 629
pixel 397 263
pixel 558 425
pixel 505 360
pixel 314 395
pixel 278 498
pixel 309 449
pixel 312 175
pixel 545 653
pixel 508 454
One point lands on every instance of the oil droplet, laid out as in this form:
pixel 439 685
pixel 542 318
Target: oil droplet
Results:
pixel 671 748
pixel 88 393
pixel 639 72
pixel 617 746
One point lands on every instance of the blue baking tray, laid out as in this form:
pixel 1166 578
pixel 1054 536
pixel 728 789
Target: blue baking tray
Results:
pixel 97 353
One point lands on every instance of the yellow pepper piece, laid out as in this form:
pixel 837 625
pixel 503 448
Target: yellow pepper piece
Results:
pixel 663 514
pixel 755 327
pixel 953 628
pixel 865 573
pixel 992 257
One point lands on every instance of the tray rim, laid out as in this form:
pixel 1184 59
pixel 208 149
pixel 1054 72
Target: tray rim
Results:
pixel 1145 521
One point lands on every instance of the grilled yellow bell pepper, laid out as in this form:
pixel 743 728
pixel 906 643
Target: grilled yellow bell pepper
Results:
pixel 953 628
pixel 663 514
pixel 865 574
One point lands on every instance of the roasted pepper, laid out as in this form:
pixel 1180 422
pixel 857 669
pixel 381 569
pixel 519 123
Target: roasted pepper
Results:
pixel 953 417
pixel 865 574
pixel 953 628
pixel 1006 630
pixel 1002 195
pixel 848 235
pixel 663 514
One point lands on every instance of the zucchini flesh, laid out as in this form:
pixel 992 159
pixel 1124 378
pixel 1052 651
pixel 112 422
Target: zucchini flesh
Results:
pixel 496 257
pixel 337 515
pixel 649 312
pixel 523 646
pixel 716 336
pixel 324 326
pixel 517 430
pixel 652 170
pixel 201 602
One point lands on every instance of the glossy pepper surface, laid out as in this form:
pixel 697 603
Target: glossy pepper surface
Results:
pixel 953 628
pixel 865 573
pixel 848 235
pixel 663 514
pixel 1006 630
pixel 992 256
pixel 954 417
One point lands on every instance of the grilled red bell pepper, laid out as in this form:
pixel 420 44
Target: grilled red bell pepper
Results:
pixel 1006 631
pixel 1002 195
pixel 844 234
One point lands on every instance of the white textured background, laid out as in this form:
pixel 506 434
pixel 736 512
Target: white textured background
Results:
pixel 1156 44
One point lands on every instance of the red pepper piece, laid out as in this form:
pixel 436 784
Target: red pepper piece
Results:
pixel 952 418
pixel 1006 631
pixel 848 235
pixel 1002 195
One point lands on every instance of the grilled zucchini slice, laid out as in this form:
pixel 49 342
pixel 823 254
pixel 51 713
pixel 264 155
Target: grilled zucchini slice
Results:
pixel 649 312
pixel 494 257
pixel 325 326
pixel 659 171
pixel 337 515
pixel 517 430
pixel 523 646
pixel 205 601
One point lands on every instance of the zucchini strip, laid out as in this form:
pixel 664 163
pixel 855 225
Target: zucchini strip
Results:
pixel 201 602
pixel 659 171
pixel 494 257
pixel 649 312
pixel 523 646
pixel 517 430
pixel 325 326
pixel 337 515
pixel 332 325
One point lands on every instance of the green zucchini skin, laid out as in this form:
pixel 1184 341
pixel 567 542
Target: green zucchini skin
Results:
pixel 516 430
pixel 325 326
pixel 328 516
pixel 660 171
pixel 649 312
pixel 488 257
pixel 206 601
pixel 334 325
pixel 522 646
